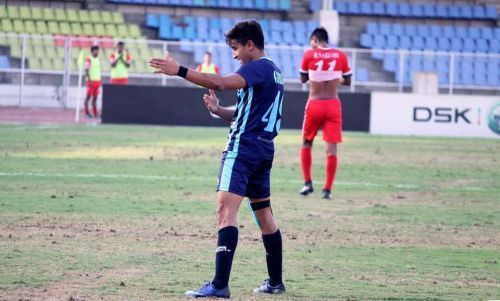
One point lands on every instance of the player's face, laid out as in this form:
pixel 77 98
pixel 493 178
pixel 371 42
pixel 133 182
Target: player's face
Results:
pixel 120 48
pixel 314 42
pixel 240 52
pixel 95 52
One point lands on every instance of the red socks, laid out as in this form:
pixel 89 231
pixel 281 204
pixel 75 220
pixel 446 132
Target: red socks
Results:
pixel 306 159
pixel 331 169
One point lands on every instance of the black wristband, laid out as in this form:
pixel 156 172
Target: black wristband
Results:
pixel 182 71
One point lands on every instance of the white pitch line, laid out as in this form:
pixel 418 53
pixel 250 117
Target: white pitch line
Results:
pixel 178 178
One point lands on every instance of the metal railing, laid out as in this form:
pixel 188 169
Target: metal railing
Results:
pixel 24 72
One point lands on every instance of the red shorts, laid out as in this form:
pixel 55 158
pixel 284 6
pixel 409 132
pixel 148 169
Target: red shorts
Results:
pixel 326 114
pixel 93 87
pixel 119 81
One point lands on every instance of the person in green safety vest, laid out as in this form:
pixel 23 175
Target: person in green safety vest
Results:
pixel 120 61
pixel 208 66
pixel 93 76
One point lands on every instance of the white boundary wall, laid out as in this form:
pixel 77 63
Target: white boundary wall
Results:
pixel 435 115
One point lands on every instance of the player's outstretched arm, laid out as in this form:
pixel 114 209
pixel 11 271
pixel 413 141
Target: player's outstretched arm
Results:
pixel 212 103
pixel 170 66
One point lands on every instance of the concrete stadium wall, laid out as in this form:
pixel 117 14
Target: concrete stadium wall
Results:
pixel 435 115
pixel 184 106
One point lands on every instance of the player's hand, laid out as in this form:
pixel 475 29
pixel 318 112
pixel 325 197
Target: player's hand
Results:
pixel 167 65
pixel 211 102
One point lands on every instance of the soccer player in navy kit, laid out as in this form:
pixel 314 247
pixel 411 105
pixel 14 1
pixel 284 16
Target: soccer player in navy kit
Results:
pixel 247 159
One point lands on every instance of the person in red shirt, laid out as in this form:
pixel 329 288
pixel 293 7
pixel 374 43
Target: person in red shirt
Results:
pixel 326 68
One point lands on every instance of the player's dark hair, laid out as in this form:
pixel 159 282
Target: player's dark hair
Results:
pixel 246 31
pixel 320 33
pixel 120 43
pixel 208 52
pixel 95 47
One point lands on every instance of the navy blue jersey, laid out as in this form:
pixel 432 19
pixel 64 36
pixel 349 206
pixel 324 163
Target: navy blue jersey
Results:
pixel 257 118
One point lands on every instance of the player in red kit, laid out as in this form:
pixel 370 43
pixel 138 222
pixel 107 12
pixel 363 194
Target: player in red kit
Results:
pixel 326 68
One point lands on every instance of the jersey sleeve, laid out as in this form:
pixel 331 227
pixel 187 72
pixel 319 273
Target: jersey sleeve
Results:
pixel 253 73
pixel 304 66
pixel 346 69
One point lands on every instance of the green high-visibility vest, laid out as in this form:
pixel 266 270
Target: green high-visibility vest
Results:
pixel 120 70
pixel 95 68
pixel 208 69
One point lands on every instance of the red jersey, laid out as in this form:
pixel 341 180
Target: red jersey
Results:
pixel 324 64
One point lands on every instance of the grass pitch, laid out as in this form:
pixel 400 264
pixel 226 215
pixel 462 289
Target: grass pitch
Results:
pixel 127 213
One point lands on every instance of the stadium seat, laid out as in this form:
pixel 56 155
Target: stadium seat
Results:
pixel 339 6
pixel 436 31
pixel 353 7
pixel 404 10
pixel 385 29
pixel 465 11
pixel 366 40
pixel 404 42
pixel 441 11
pixel 430 43
pixel 397 29
pixel 391 9
pixel 443 44
pixel 379 8
pixel 453 11
pixel 361 74
pixel 379 41
pixel 152 20
pixel 491 12
pixel 372 28
pixel 486 33
pixel 429 10
pixel 366 8
pixel 461 32
pixel 456 44
pixel 473 32
pixel 469 45
pixel 392 42
pixel 448 31
pixel 479 12
pixel 423 30
pixel 417 42
pixel 410 30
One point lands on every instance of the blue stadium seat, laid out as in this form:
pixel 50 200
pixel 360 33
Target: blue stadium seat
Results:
pixel 405 42
pixel 260 4
pixel 436 31
pixel 214 34
pixel 461 32
pixel 287 26
pixel 441 11
pixel 491 12
pixel 479 79
pixel 423 30
pixel 190 33
pixel 497 33
pixel 417 42
pixel 385 28
pixel 378 8
pixel 481 45
pixel 288 37
pixel 392 9
pixel 449 31
pixel 379 41
pixel 237 3
pixel 276 25
pixel 361 74
pixel 273 4
pixel 165 32
pixel 264 23
pixel 410 30
pixel 391 62
pixel 177 33
pixel 494 46
pixel 456 44
pixel 301 38
pixel 214 22
pixel 430 43
pixel 443 44
pixel 226 24
pixel 224 4
pixel 202 33
pixel 454 11
pixel 4 61
pixel 428 64
pixel 366 8
pixel 397 29
pixel 392 42
pixel 366 40
pixel 417 10
pixel 248 4
pixel 429 10
pixel 353 7
pixel 443 64
pixel 276 37
pixel 202 22
pixel 372 28
pixel 466 11
pixel 473 32
pixel 486 33
pixel 479 12
pixel 404 10
pixel 299 26
pixel 312 25
pixel 340 6
pixel 469 45
pixel 152 20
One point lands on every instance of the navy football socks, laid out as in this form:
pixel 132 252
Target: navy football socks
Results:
pixel 274 257
pixel 226 246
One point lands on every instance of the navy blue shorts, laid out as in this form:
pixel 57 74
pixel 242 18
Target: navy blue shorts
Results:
pixel 245 177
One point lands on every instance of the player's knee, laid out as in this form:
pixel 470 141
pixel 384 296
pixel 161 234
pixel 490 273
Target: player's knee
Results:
pixel 225 216
pixel 264 215
pixel 307 143
pixel 331 150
